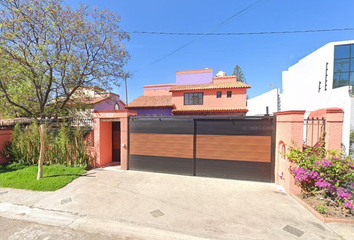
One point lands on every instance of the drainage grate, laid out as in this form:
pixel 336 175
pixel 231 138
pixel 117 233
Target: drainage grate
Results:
pixel 157 213
pixel 293 230
pixel 65 200
pixel 2 193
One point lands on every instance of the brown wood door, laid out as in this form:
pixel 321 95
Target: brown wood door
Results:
pixel 116 143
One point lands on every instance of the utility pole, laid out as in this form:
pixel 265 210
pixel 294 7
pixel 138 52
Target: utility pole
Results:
pixel 126 89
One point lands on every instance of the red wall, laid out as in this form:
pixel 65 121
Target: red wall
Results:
pixel 106 143
pixel 5 136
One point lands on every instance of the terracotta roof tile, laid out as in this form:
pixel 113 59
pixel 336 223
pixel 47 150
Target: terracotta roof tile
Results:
pixel 211 109
pixel 151 101
pixel 223 85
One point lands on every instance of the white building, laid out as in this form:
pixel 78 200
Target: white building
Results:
pixel 323 79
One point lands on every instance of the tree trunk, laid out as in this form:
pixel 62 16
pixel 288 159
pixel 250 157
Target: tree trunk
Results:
pixel 40 160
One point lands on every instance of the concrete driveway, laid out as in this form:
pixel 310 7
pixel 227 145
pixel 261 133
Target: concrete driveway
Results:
pixel 160 206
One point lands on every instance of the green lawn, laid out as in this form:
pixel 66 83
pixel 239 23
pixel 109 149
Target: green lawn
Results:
pixel 25 177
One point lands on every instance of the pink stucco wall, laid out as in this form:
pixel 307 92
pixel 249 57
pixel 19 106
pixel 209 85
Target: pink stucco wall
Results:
pixel 105 143
pixel 334 128
pixel 158 89
pixel 289 133
pixel 5 136
pixel 103 135
pixel 238 98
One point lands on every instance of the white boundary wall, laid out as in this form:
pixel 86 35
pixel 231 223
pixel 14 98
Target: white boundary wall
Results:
pixel 300 89
pixel 257 105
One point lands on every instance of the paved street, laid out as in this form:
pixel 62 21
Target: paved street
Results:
pixel 145 205
pixel 22 230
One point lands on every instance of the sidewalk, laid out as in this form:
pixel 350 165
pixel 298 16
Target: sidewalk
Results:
pixel 143 205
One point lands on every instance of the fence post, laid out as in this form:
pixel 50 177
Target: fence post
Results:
pixel 334 128
pixel 289 133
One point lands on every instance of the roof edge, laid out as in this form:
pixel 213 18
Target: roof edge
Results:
pixel 206 70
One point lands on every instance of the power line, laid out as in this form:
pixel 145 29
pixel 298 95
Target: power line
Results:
pixel 203 35
pixel 243 33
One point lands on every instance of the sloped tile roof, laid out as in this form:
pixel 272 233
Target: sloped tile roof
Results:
pixel 151 101
pixel 224 85
pixel 211 109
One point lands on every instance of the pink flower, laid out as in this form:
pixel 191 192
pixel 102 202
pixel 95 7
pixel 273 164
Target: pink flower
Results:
pixel 349 205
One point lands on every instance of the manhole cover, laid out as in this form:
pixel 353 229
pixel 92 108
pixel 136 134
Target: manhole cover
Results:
pixel 2 193
pixel 66 200
pixel 293 230
pixel 157 213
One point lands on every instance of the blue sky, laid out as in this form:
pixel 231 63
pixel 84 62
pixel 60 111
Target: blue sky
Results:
pixel 261 57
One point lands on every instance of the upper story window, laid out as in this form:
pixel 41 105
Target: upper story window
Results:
pixel 343 72
pixel 229 94
pixel 218 94
pixel 193 98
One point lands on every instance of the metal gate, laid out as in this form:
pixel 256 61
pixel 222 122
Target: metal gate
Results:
pixel 223 147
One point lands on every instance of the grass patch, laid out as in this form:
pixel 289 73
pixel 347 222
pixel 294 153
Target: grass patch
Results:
pixel 25 176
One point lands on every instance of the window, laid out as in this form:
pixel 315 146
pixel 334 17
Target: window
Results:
pixel 148 114
pixel 193 98
pixel 161 114
pixel 343 71
pixel 154 115
pixel 229 94
pixel 141 114
pixel 116 106
pixel 218 94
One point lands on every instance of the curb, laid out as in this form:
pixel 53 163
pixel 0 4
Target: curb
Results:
pixel 91 224
pixel 318 215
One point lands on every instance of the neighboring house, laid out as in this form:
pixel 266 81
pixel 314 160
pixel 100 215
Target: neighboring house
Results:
pixel 196 92
pixel 323 79
pixel 89 99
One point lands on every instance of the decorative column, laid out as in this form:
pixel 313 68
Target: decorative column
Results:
pixel 289 133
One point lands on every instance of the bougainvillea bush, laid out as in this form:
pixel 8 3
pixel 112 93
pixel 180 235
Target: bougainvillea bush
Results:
pixel 321 172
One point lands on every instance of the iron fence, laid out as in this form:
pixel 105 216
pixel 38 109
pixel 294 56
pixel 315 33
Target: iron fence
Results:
pixel 69 122
pixel 314 129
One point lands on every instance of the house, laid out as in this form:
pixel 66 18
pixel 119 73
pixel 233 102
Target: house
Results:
pixel 323 79
pixel 89 99
pixel 196 92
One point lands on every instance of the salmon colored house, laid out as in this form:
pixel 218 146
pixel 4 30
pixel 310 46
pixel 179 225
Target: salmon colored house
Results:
pixel 196 92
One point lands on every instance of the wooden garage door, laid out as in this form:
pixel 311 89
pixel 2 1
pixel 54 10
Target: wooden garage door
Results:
pixel 238 149
pixel 161 145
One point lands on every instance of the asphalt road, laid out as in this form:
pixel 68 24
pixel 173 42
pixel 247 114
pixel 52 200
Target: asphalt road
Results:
pixel 17 229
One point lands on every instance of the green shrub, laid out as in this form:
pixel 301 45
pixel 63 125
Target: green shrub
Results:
pixel 322 209
pixel 324 172
pixel 62 146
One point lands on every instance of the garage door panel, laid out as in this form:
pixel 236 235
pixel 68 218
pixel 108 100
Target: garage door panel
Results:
pixel 182 166
pixel 240 148
pixel 166 145
pixel 234 170
pixel 252 127
pixel 235 148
